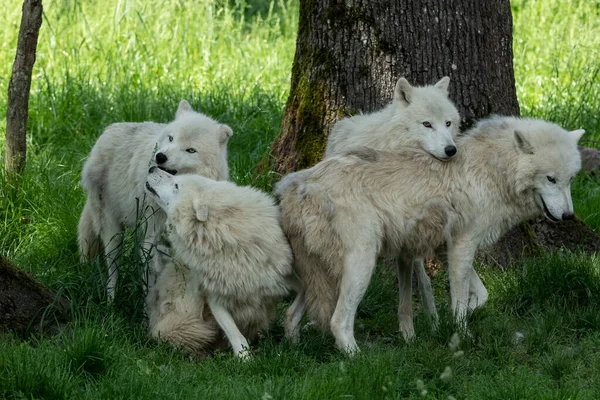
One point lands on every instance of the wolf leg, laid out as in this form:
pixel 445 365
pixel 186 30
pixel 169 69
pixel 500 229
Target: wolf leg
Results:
pixel 426 291
pixel 404 266
pixel 478 294
pixel 460 265
pixel 112 239
pixel 293 316
pixel 359 265
pixel 238 342
pixel 152 245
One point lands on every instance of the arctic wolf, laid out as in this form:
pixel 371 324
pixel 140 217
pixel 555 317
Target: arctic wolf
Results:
pixel 345 211
pixel 177 310
pixel 422 117
pixel 231 240
pixel 115 174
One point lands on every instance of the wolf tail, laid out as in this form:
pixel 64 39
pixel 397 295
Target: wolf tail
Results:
pixel 307 211
pixel 88 235
pixel 196 336
pixel 295 180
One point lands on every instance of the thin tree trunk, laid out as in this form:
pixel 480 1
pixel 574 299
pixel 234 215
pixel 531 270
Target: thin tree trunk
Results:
pixel 18 88
pixel 350 54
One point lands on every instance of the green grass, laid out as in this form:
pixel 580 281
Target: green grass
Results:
pixel 555 43
pixel 124 60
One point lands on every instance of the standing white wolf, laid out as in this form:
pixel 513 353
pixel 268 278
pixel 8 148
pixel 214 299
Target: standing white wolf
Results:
pixel 344 212
pixel 231 240
pixel 422 117
pixel 115 174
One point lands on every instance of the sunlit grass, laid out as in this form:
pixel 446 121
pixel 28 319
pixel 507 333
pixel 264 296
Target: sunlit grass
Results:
pixel 556 52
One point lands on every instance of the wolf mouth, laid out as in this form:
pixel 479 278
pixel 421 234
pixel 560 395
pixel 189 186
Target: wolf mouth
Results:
pixel 151 190
pixel 443 159
pixel 547 212
pixel 168 171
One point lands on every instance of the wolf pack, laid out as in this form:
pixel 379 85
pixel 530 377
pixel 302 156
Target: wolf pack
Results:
pixel 402 182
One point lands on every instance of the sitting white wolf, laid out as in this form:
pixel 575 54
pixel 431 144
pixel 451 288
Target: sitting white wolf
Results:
pixel 231 240
pixel 115 173
pixel 422 117
pixel 342 213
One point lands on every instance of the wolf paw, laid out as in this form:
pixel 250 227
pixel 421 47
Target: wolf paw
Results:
pixel 244 355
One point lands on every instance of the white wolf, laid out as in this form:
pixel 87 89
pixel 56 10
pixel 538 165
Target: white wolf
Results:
pixel 344 212
pixel 417 117
pixel 231 240
pixel 422 117
pixel 177 311
pixel 115 174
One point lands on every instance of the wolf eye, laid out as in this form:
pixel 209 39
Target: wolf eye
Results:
pixel 551 179
pixel 176 186
pixel 190 150
pixel 448 123
pixel 170 138
pixel 426 124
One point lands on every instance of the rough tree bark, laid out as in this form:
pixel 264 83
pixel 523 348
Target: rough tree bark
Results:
pixel 18 88
pixel 349 55
pixel 27 306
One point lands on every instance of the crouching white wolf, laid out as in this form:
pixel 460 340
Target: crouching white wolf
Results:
pixel 421 117
pixel 115 174
pixel 177 311
pixel 344 212
pixel 231 240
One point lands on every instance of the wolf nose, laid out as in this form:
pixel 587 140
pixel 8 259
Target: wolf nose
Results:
pixel 151 170
pixel 450 150
pixel 161 158
pixel 568 216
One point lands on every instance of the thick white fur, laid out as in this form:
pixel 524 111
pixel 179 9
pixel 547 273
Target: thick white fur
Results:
pixel 231 239
pixel 401 124
pixel 177 309
pixel 345 211
pixel 115 173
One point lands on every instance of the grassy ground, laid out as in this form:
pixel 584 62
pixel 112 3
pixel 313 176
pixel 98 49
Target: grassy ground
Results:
pixel 102 62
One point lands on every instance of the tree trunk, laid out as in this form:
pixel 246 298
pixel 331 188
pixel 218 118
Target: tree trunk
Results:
pixel 18 88
pixel 27 306
pixel 349 55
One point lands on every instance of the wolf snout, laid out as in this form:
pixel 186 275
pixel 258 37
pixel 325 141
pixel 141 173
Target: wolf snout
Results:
pixel 450 150
pixel 161 158
pixel 568 216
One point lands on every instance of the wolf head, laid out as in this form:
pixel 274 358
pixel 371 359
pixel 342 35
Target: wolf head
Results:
pixel 195 144
pixel 179 196
pixel 428 115
pixel 548 160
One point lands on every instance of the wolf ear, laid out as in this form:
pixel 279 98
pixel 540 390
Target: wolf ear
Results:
pixel 522 144
pixel 443 83
pixel 183 108
pixel 201 210
pixel 166 307
pixel 403 92
pixel 225 132
pixel 576 135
